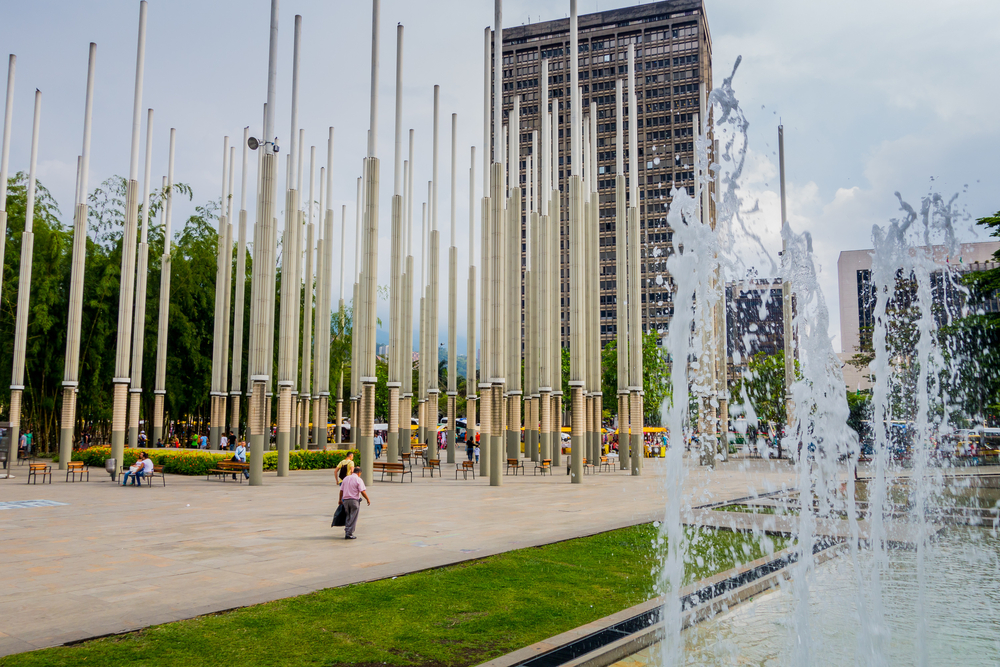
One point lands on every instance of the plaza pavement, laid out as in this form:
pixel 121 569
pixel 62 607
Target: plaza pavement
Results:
pixel 115 559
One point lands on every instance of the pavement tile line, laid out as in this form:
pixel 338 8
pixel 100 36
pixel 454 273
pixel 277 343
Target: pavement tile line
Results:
pixel 24 504
pixel 274 541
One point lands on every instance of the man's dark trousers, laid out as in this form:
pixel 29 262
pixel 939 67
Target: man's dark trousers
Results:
pixel 352 506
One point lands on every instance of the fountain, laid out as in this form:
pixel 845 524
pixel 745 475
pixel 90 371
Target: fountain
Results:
pixel 896 552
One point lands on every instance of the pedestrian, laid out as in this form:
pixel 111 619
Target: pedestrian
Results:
pixel 477 453
pixel 203 441
pixel 241 455
pixel 351 492
pixel 344 468
pixel 223 442
pixel 378 444
pixel 470 446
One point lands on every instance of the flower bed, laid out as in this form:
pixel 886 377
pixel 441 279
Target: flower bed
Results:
pixel 193 462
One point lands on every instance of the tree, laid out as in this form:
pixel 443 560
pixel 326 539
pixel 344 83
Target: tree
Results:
pixel 763 387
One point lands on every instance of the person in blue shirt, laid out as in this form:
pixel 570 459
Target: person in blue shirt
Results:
pixel 378 444
pixel 241 455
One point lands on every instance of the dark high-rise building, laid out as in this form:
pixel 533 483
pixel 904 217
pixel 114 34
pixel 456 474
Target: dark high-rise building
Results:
pixel 673 56
pixel 753 322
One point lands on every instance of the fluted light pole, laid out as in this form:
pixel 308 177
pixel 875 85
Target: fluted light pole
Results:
pixel 262 281
pixel 24 285
pixel 139 313
pixel 236 382
pixel 159 384
pixel 71 369
pixel 370 270
pixel 396 351
pixel 621 283
pixel 636 446
pixel 126 294
pixel 452 392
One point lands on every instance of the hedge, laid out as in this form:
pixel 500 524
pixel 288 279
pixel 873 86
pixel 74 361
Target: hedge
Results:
pixel 194 462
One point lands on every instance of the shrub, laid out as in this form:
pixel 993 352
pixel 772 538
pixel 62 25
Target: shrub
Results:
pixel 194 462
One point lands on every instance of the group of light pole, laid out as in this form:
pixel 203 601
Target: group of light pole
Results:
pixel 504 279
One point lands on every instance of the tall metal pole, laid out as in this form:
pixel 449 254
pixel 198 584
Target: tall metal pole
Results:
pixel 786 293
pixel 470 322
pixel 555 287
pixel 263 265
pixel 594 269
pixel 636 446
pixel 219 345
pixel 544 300
pixel 159 386
pixel 236 383
pixel 71 370
pixel 342 315
pixel 432 302
pixel 485 346
pixel 139 321
pixel 367 329
pixel 396 353
pixel 289 274
pixel 24 287
pixel 127 292
pixel 512 295
pixel 4 163
pixel 498 269
pixel 323 304
pixel 452 391
pixel 576 274
pixel 621 283
pixel 305 391
pixel 407 359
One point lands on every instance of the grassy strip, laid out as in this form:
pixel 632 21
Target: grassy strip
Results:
pixel 452 616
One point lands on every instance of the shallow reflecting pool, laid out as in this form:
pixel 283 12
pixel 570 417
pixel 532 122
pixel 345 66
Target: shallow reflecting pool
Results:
pixel 961 614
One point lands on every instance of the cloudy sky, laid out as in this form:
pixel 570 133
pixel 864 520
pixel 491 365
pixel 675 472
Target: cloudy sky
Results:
pixel 876 97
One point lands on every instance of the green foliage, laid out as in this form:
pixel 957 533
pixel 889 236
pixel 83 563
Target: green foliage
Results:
pixel 464 614
pixel 194 462
pixel 761 391
pixel 859 404
pixel 655 377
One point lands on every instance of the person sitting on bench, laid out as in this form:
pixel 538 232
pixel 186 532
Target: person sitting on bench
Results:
pixel 145 467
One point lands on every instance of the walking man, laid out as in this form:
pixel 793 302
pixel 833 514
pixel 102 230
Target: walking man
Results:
pixel 351 491
pixel 378 444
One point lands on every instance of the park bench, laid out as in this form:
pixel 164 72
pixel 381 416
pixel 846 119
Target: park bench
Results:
pixel 604 464
pixel 157 471
pixel 405 458
pixel 432 465
pixel 24 456
pixel 392 469
pixel 74 468
pixel 515 465
pixel 36 469
pixel 465 467
pixel 543 466
pixel 224 469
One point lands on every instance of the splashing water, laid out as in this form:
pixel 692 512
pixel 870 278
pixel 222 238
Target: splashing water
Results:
pixel 917 380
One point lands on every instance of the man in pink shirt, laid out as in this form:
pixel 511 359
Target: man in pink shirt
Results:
pixel 351 491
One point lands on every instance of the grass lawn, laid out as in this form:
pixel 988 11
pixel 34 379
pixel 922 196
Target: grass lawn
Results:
pixel 452 616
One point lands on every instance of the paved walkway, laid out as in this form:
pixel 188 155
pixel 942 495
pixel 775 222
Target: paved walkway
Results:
pixel 113 559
